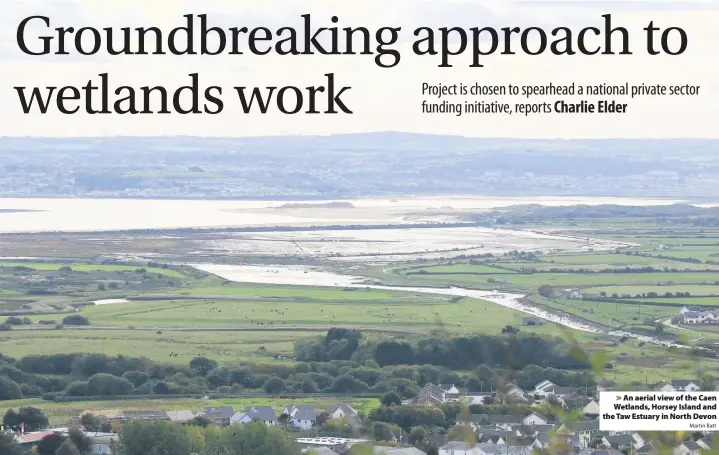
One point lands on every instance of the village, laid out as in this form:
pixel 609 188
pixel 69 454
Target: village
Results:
pixel 520 433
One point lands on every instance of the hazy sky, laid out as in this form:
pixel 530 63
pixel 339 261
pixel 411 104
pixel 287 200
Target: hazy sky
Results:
pixel 382 99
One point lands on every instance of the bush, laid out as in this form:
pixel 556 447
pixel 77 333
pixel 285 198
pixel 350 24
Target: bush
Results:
pixel 9 389
pixel 76 319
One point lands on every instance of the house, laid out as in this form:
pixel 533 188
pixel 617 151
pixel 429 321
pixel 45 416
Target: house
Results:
pixel 516 392
pixel 606 385
pixel 28 440
pixel 429 395
pixel 397 451
pixel 263 414
pixel 685 385
pixel 620 441
pixel 688 448
pixel 544 388
pixel 291 409
pixel 473 420
pixel 129 416
pixel 504 422
pixel 304 419
pixel 571 294
pixel 452 393
pixel 664 386
pixel 599 452
pixel 220 415
pixel 646 449
pixel 457 448
pixel 700 317
pixel 591 409
pixel 342 410
pixel 706 443
pixel 180 416
pixel 535 419
pixel 493 436
pixel 583 429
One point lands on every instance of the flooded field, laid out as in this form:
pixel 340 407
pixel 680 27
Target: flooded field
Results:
pixel 87 215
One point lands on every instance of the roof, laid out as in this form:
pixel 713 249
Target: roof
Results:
pixel 323 451
pixel 541 416
pixel 544 385
pixel 398 451
pixel 502 418
pixel 472 418
pixel 646 448
pixel 621 439
pixel 33 437
pixel 222 411
pixel 180 416
pixel 708 441
pixel 683 382
pixel 264 413
pixel 692 445
pixel 299 407
pixel 600 452
pixel 304 414
pixel 347 409
pixel 584 425
pixel 146 415
pixel 456 445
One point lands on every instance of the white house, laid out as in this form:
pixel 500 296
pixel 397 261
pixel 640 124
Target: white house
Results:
pixel 592 408
pixel 458 448
pixel 685 385
pixel 623 440
pixel 341 410
pixel 534 419
pixel 664 386
pixel 688 448
pixel 263 414
pixel 544 388
pixel 304 419
pixel 291 409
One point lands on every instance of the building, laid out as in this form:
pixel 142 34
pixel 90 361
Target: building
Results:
pixel 341 410
pixel 264 414
pixel 685 385
pixel 219 415
pixel 291 409
pixel 623 441
pixel 429 395
pixel 535 419
pixel 591 408
pixel 304 419
pixel 699 317
pixel 571 294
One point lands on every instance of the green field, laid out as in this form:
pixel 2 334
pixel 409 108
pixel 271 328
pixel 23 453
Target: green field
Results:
pixel 47 266
pixel 633 290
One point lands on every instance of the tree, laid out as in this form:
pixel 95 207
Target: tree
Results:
pixel 322 418
pixel 90 422
pixel 76 389
pixel 33 418
pixel 391 398
pixel 49 444
pixel 202 365
pixel 82 443
pixel 659 328
pixel 254 439
pixel 76 319
pixel 199 421
pixel 103 384
pixel 417 435
pixel 546 290
pixel 273 385
pixel 153 437
pixel 8 446
pixel 68 448
pixel 463 433
pixel 9 389
pixel 284 420
pixel 381 431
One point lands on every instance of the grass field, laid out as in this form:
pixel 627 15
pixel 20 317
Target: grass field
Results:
pixel 633 290
pixel 61 413
pixel 232 346
pixel 46 266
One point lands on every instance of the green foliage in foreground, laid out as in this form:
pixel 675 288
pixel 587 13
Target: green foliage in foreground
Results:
pixel 143 438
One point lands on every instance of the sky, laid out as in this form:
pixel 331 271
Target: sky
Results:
pixel 381 99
